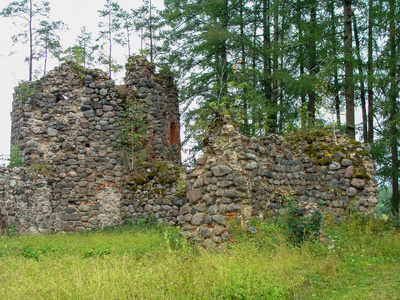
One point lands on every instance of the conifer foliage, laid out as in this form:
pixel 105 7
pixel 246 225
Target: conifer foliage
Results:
pixel 279 66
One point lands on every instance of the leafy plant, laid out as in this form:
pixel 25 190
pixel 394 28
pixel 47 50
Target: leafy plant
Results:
pixel 26 90
pixel 11 231
pixel 100 251
pixel 131 137
pixel 300 228
pixel 15 157
pixel 29 252
pixel 174 239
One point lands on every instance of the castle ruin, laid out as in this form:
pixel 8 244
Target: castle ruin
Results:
pixel 77 175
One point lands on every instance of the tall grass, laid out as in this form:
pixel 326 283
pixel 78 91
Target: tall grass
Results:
pixel 360 259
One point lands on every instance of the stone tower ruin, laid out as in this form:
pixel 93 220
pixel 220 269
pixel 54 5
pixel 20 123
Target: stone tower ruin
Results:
pixel 67 126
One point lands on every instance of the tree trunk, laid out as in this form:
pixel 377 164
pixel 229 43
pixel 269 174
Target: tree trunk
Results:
pixel 30 40
pixel 362 87
pixel 275 62
pixel 331 9
pixel 349 89
pixel 224 53
pixel 45 60
pixel 303 116
pixel 393 92
pixel 245 130
pixel 141 40
pixel 84 55
pixel 110 44
pixel 312 64
pixel 129 41
pixel 337 97
pixel 370 78
pixel 266 52
pixel 151 34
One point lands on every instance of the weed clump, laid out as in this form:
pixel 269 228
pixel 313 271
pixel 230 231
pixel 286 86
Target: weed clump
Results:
pixel 298 227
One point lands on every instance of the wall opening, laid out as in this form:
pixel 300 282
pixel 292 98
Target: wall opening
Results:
pixel 173 136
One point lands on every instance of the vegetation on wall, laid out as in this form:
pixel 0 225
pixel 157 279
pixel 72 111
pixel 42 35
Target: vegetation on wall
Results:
pixel 132 136
pixel 27 90
pixel 15 159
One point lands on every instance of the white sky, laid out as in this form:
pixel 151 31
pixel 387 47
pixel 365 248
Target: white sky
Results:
pixel 13 68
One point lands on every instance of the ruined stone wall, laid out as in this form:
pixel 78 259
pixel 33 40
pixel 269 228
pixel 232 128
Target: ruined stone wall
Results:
pixel 25 202
pixel 155 191
pixel 161 98
pixel 240 177
pixel 66 126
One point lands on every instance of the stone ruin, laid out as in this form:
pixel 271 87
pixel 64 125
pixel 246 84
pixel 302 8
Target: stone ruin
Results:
pixel 68 124
pixel 243 178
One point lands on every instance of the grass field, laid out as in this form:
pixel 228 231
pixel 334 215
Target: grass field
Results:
pixel 358 260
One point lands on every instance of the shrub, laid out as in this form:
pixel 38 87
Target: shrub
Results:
pixel 300 228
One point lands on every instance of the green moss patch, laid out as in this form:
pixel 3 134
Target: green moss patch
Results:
pixel 322 147
pixel 163 173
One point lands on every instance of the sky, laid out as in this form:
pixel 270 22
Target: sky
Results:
pixel 14 69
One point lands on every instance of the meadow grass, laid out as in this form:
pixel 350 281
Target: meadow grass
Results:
pixel 359 259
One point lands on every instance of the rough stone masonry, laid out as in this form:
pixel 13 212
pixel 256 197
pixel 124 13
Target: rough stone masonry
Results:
pixel 66 126
pixel 74 178
pixel 243 178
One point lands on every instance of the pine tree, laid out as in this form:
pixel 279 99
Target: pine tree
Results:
pixel 83 51
pixel 109 34
pixel 30 12
pixel 48 40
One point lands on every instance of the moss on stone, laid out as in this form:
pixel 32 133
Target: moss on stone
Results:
pixel 361 173
pixel 168 179
pixel 138 60
pixel 42 168
pixel 324 161
pixel 319 145
pixel 140 181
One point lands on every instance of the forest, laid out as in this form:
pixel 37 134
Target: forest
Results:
pixel 273 66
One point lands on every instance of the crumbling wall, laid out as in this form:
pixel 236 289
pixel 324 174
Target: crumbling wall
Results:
pixel 26 201
pixel 67 126
pixel 160 96
pixel 155 191
pixel 240 177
